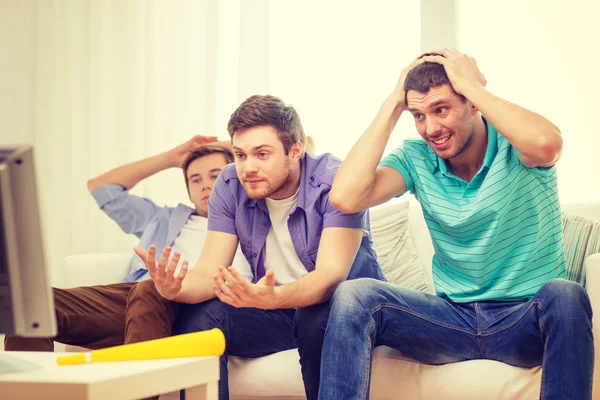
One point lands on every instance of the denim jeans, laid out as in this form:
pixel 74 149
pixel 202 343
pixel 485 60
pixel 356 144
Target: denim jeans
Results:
pixel 252 333
pixel 553 329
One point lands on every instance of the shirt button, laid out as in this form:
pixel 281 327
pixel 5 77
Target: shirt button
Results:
pixel 254 255
pixel 312 178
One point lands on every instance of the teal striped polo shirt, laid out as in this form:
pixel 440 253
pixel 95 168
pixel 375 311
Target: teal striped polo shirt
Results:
pixel 498 237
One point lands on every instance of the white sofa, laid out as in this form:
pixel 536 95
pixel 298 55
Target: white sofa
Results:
pixel 277 376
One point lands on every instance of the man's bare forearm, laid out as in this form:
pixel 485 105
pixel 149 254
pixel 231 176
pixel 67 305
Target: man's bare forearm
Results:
pixel 196 288
pixel 356 174
pixel 129 175
pixel 534 136
pixel 316 287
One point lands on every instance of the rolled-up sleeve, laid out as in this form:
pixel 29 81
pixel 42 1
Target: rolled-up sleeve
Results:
pixel 132 213
pixel 398 161
pixel 334 218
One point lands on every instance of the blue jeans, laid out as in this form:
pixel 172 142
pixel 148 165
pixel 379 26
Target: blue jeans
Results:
pixel 253 332
pixel 553 329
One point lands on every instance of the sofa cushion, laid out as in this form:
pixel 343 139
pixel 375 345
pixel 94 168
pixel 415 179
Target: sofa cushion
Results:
pixel 277 376
pixel 582 239
pixel 395 250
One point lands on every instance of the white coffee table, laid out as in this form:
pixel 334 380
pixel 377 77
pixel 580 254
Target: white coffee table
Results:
pixel 115 380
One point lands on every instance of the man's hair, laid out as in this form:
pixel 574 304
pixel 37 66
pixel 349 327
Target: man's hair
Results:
pixel 260 110
pixel 426 76
pixel 203 152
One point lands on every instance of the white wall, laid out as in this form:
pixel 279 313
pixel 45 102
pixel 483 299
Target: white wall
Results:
pixel 336 61
pixel 541 54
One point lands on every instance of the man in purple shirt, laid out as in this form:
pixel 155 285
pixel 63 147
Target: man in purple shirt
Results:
pixel 275 202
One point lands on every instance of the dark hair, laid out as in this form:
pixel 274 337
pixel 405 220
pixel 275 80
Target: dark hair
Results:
pixel 260 110
pixel 426 76
pixel 203 152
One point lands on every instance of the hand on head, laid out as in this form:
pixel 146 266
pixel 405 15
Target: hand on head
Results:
pixel 179 154
pixel 461 69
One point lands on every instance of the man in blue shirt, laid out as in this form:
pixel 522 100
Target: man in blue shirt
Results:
pixel 485 177
pixel 109 315
pixel 275 202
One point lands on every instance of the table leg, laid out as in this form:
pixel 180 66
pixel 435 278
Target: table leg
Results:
pixel 207 391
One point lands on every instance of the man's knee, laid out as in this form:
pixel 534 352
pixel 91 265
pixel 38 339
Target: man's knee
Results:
pixel 351 294
pixel 144 290
pixel 566 298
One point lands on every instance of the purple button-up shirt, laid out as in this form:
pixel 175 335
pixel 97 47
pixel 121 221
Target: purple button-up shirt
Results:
pixel 232 211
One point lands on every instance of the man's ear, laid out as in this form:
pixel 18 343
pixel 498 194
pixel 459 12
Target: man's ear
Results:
pixel 472 109
pixel 296 152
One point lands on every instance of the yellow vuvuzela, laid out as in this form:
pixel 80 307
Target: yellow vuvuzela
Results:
pixel 206 343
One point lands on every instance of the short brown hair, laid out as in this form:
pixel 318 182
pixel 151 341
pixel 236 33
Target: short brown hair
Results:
pixel 260 110
pixel 203 152
pixel 426 76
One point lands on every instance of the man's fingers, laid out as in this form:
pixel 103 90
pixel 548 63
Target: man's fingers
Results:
pixel 182 272
pixel 225 289
pixel 436 59
pixel 162 261
pixel 447 53
pixel 270 277
pixel 224 298
pixel 235 279
pixel 415 64
pixel 170 271
pixel 147 257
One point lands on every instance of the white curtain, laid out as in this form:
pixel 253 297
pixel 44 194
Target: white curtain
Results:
pixel 113 81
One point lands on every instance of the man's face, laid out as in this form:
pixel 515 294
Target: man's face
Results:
pixel 262 166
pixel 443 119
pixel 201 176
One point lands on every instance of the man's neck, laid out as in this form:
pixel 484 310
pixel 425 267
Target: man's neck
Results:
pixel 470 160
pixel 291 185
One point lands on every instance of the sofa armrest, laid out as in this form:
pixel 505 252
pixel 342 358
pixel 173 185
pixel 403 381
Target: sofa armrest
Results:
pixel 592 265
pixel 96 269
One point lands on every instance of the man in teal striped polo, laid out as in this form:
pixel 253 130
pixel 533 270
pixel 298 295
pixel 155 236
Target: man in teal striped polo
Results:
pixel 485 177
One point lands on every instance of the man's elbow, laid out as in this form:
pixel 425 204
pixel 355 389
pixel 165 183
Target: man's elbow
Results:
pixel 92 184
pixel 550 149
pixel 343 203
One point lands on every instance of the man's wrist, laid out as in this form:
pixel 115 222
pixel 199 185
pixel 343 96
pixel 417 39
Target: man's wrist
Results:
pixel 169 159
pixel 474 93
pixel 276 302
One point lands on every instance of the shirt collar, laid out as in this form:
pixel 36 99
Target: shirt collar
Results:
pixel 492 146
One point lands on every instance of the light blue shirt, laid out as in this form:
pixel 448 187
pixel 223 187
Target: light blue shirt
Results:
pixel 152 224
pixel 498 237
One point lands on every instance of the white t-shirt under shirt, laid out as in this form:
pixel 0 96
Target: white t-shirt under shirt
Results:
pixel 190 242
pixel 280 254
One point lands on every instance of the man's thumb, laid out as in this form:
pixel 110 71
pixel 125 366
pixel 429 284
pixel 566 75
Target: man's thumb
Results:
pixel 270 277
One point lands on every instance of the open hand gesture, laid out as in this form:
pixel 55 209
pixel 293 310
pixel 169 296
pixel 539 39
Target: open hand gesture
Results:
pixel 167 284
pixel 232 288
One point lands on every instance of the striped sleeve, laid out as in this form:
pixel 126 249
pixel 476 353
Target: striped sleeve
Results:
pixel 399 161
